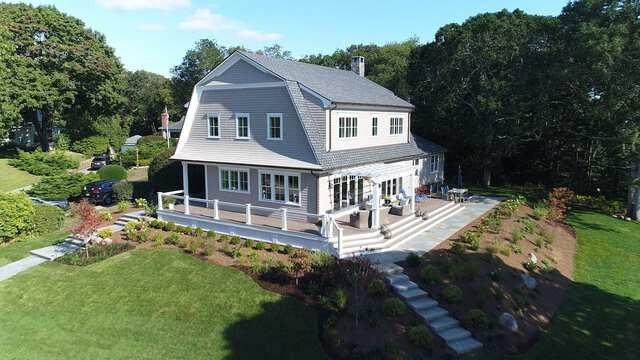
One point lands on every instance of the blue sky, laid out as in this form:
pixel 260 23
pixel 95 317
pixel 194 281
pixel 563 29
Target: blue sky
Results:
pixel 154 34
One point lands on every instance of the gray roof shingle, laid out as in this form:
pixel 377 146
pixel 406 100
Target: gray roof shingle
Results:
pixel 338 86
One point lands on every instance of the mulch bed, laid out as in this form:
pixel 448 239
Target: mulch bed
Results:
pixel 495 284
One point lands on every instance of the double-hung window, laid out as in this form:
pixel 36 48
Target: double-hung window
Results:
pixel 242 126
pixel 395 126
pixel 234 180
pixel 281 188
pixel 435 163
pixel 374 126
pixel 347 127
pixel 274 126
pixel 213 125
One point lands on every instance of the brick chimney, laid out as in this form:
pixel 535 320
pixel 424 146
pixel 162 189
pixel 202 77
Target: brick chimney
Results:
pixel 357 65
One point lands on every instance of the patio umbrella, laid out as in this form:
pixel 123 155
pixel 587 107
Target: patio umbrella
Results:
pixel 459 176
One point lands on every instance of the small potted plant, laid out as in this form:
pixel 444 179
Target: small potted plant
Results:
pixel 169 203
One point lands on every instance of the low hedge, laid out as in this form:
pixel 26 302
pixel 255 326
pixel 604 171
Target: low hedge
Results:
pixel 123 191
pixel 44 163
pixel 17 213
pixel 47 218
pixel 112 172
pixel 62 186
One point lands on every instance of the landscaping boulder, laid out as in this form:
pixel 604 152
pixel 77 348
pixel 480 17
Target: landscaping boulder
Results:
pixel 533 258
pixel 508 321
pixel 529 281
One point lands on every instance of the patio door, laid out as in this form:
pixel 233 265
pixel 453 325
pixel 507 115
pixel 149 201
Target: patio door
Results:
pixel 347 191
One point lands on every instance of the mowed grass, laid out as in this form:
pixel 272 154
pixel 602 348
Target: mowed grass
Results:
pixel 600 319
pixel 150 304
pixel 12 178
pixel 18 249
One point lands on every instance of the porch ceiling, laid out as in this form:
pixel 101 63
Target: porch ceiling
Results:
pixel 378 172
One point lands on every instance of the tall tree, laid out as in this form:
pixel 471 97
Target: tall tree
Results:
pixel 276 51
pixel 60 71
pixel 147 95
pixel 197 62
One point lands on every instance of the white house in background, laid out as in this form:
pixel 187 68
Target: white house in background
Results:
pixel 175 128
pixel 283 151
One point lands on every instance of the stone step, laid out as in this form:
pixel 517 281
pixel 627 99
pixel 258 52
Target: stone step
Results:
pixel 74 241
pixel 432 313
pixel 465 345
pixel 404 286
pixel 392 279
pixel 413 294
pixel 422 303
pixel 454 334
pixel 443 323
pixel 54 251
pixel 390 269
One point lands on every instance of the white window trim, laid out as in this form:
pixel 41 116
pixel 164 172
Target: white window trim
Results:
pixel 237 115
pixel 221 169
pixel 375 125
pixel 269 115
pixel 209 116
pixel 286 187
pixel 394 129
pixel 436 159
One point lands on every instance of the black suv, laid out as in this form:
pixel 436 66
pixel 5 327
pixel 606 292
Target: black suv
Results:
pixel 99 161
pixel 100 192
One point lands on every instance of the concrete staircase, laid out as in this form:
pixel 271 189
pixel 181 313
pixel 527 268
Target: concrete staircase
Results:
pixel 126 218
pixel 401 231
pixel 438 319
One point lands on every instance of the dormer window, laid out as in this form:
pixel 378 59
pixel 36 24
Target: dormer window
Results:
pixel 274 126
pixel 395 126
pixel 242 126
pixel 347 127
pixel 213 123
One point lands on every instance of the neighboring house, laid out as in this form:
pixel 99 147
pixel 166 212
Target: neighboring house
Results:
pixel 174 129
pixel 25 135
pixel 130 143
pixel 286 142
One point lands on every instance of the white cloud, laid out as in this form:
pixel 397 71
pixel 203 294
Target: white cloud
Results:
pixel 207 20
pixel 151 27
pixel 144 4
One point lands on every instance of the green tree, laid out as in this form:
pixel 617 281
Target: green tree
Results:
pixel 275 51
pixel 147 95
pixel 57 68
pixel 197 62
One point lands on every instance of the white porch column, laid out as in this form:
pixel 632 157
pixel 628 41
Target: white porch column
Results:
pixel 284 219
pixel 248 214
pixel 375 221
pixel 216 210
pixel 159 200
pixel 185 186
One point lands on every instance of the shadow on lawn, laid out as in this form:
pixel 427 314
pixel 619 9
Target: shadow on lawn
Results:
pixel 285 329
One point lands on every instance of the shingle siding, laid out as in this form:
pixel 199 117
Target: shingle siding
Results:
pixel 243 73
pixel 293 151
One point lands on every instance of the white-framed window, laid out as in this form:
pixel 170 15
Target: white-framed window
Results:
pixel 416 162
pixel 274 126
pixel 395 126
pixel 347 127
pixel 435 163
pixel 280 187
pixel 234 180
pixel 391 187
pixel 213 126
pixel 374 126
pixel 242 126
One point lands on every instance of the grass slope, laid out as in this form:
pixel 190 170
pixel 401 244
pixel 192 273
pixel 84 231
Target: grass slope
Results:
pixel 600 318
pixel 19 249
pixel 12 178
pixel 150 304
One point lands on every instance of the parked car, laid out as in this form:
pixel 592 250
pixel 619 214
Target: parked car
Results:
pixel 100 192
pixel 99 161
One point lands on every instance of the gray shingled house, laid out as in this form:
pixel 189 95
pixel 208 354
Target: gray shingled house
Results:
pixel 283 151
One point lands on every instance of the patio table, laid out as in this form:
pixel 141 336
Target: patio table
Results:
pixel 458 194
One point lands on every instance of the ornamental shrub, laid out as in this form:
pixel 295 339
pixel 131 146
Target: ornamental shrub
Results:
pixel 540 211
pixel 17 214
pixel 393 307
pixel 112 172
pixel 92 145
pixel 420 336
pixel 451 294
pixel 377 288
pixel 123 190
pixel 412 260
pixel 430 274
pixel 44 163
pixel 61 186
pixel 477 319
pixel 47 218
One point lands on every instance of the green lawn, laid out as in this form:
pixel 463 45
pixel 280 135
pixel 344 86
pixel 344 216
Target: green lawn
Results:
pixel 150 304
pixel 12 178
pixel 601 317
pixel 19 249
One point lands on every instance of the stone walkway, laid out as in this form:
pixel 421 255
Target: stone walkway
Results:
pixel 476 207
pixel 52 252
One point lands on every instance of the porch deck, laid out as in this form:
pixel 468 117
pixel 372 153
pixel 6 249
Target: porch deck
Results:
pixel 273 219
